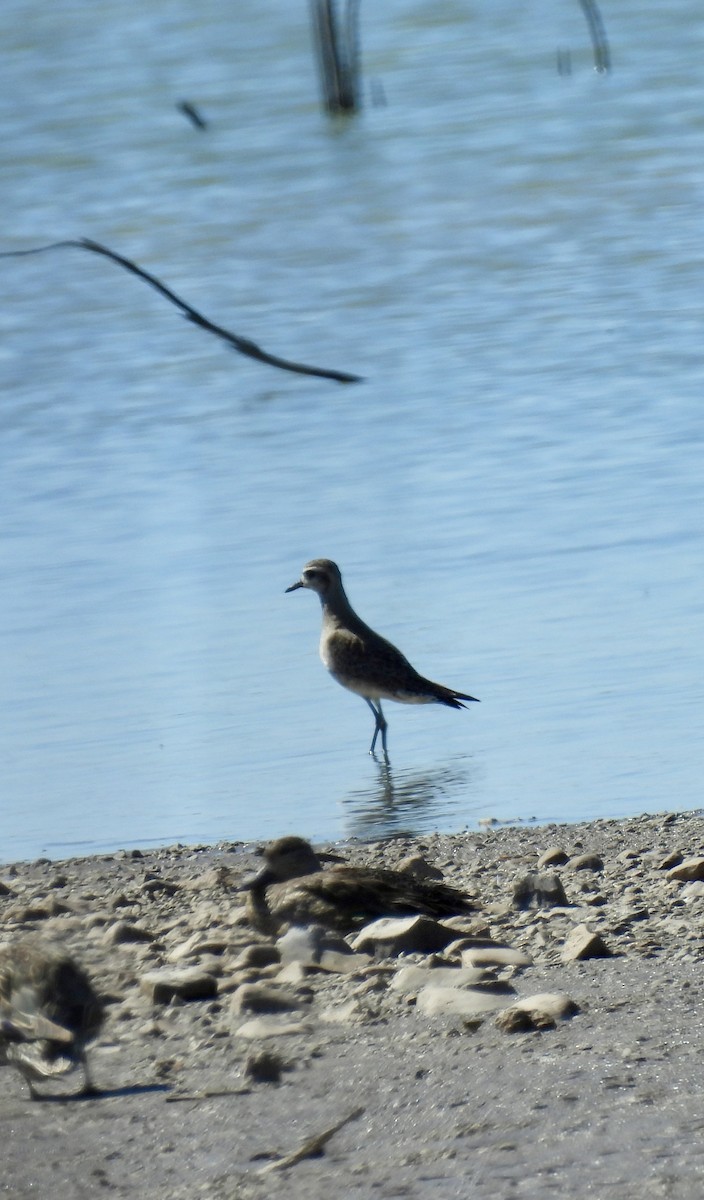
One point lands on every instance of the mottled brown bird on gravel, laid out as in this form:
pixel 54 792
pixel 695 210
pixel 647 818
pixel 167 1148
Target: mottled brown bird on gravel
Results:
pixel 48 1011
pixel 294 888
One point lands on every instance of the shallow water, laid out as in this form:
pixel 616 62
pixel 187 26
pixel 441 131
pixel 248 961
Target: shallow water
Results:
pixel 511 257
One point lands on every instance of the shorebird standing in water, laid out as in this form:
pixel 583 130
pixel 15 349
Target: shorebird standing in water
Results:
pixel 363 661
pixel 48 1011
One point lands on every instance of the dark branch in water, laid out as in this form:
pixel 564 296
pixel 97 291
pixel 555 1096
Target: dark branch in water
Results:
pixel 242 345
pixel 602 54
pixel 337 49
pixel 189 110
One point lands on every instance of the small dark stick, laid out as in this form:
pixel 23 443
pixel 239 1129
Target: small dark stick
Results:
pixel 242 345
pixel 189 110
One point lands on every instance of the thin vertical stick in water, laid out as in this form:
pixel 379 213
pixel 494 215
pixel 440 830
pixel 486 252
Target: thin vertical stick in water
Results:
pixel 242 345
pixel 602 54
pixel 337 49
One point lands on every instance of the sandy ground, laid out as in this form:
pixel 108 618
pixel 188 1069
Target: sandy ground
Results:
pixel 608 1103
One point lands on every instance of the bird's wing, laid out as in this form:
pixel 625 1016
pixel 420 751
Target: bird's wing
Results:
pixel 368 658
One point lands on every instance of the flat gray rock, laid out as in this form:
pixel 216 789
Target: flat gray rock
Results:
pixel 495 956
pixel 255 998
pixel 538 889
pixel 268 1027
pixel 412 979
pixel 188 983
pixel 403 935
pixel 583 943
pixel 462 1002
pixel 688 870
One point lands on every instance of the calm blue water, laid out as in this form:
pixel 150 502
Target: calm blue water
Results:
pixel 513 258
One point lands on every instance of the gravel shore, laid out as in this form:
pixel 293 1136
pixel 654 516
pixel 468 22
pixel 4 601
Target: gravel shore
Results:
pixel 550 1043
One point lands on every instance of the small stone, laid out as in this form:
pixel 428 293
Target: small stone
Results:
pixel 495 956
pixel 258 954
pixel 188 983
pixel 586 862
pixel 412 979
pixel 670 860
pixel 295 973
pixel 198 944
pixel 514 1020
pixel 403 935
pixel 343 964
pixel 688 870
pixel 557 1005
pixel 349 1013
pixel 583 943
pixel 166 887
pixel 629 917
pixel 307 943
pixel 418 867
pixel 253 998
pixel 467 926
pixel 463 1002
pixel 554 856
pixel 538 890
pixel 5 889
pixel 266 1027
pixel 30 912
pixel 692 891
pixel 124 931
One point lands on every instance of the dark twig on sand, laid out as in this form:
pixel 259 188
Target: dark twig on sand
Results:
pixel 312 1146
pixel 337 48
pixel 207 1094
pixel 602 54
pixel 242 345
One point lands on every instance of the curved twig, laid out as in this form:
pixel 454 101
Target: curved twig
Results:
pixel 602 54
pixel 242 345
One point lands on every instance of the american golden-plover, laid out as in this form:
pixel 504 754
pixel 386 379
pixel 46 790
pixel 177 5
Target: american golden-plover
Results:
pixel 363 661
pixel 48 1011
pixel 293 887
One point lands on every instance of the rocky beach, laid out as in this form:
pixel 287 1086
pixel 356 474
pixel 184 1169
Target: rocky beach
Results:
pixel 547 1042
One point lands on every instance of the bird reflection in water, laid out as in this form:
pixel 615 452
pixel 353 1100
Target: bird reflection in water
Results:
pixel 410 802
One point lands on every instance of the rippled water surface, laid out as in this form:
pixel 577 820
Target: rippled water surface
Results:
pixel 511 257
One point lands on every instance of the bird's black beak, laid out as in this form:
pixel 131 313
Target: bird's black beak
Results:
pixel 261 879
pixel 295 585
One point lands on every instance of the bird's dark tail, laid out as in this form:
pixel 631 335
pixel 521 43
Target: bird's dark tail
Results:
pixel 450 697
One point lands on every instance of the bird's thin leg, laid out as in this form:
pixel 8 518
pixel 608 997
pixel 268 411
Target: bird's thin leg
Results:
pixel 26 1075
pixel 380 726
pixel 383 726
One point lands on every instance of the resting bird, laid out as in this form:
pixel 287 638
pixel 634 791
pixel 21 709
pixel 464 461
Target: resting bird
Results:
pixel 363 661
pixel 293 888
pixel 48 1011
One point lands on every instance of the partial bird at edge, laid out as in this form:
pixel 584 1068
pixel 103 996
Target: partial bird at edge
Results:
pixel 49 1010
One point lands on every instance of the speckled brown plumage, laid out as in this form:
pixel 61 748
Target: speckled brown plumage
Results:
pixel 293 888
pixel 360 659
pixel 48 1011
